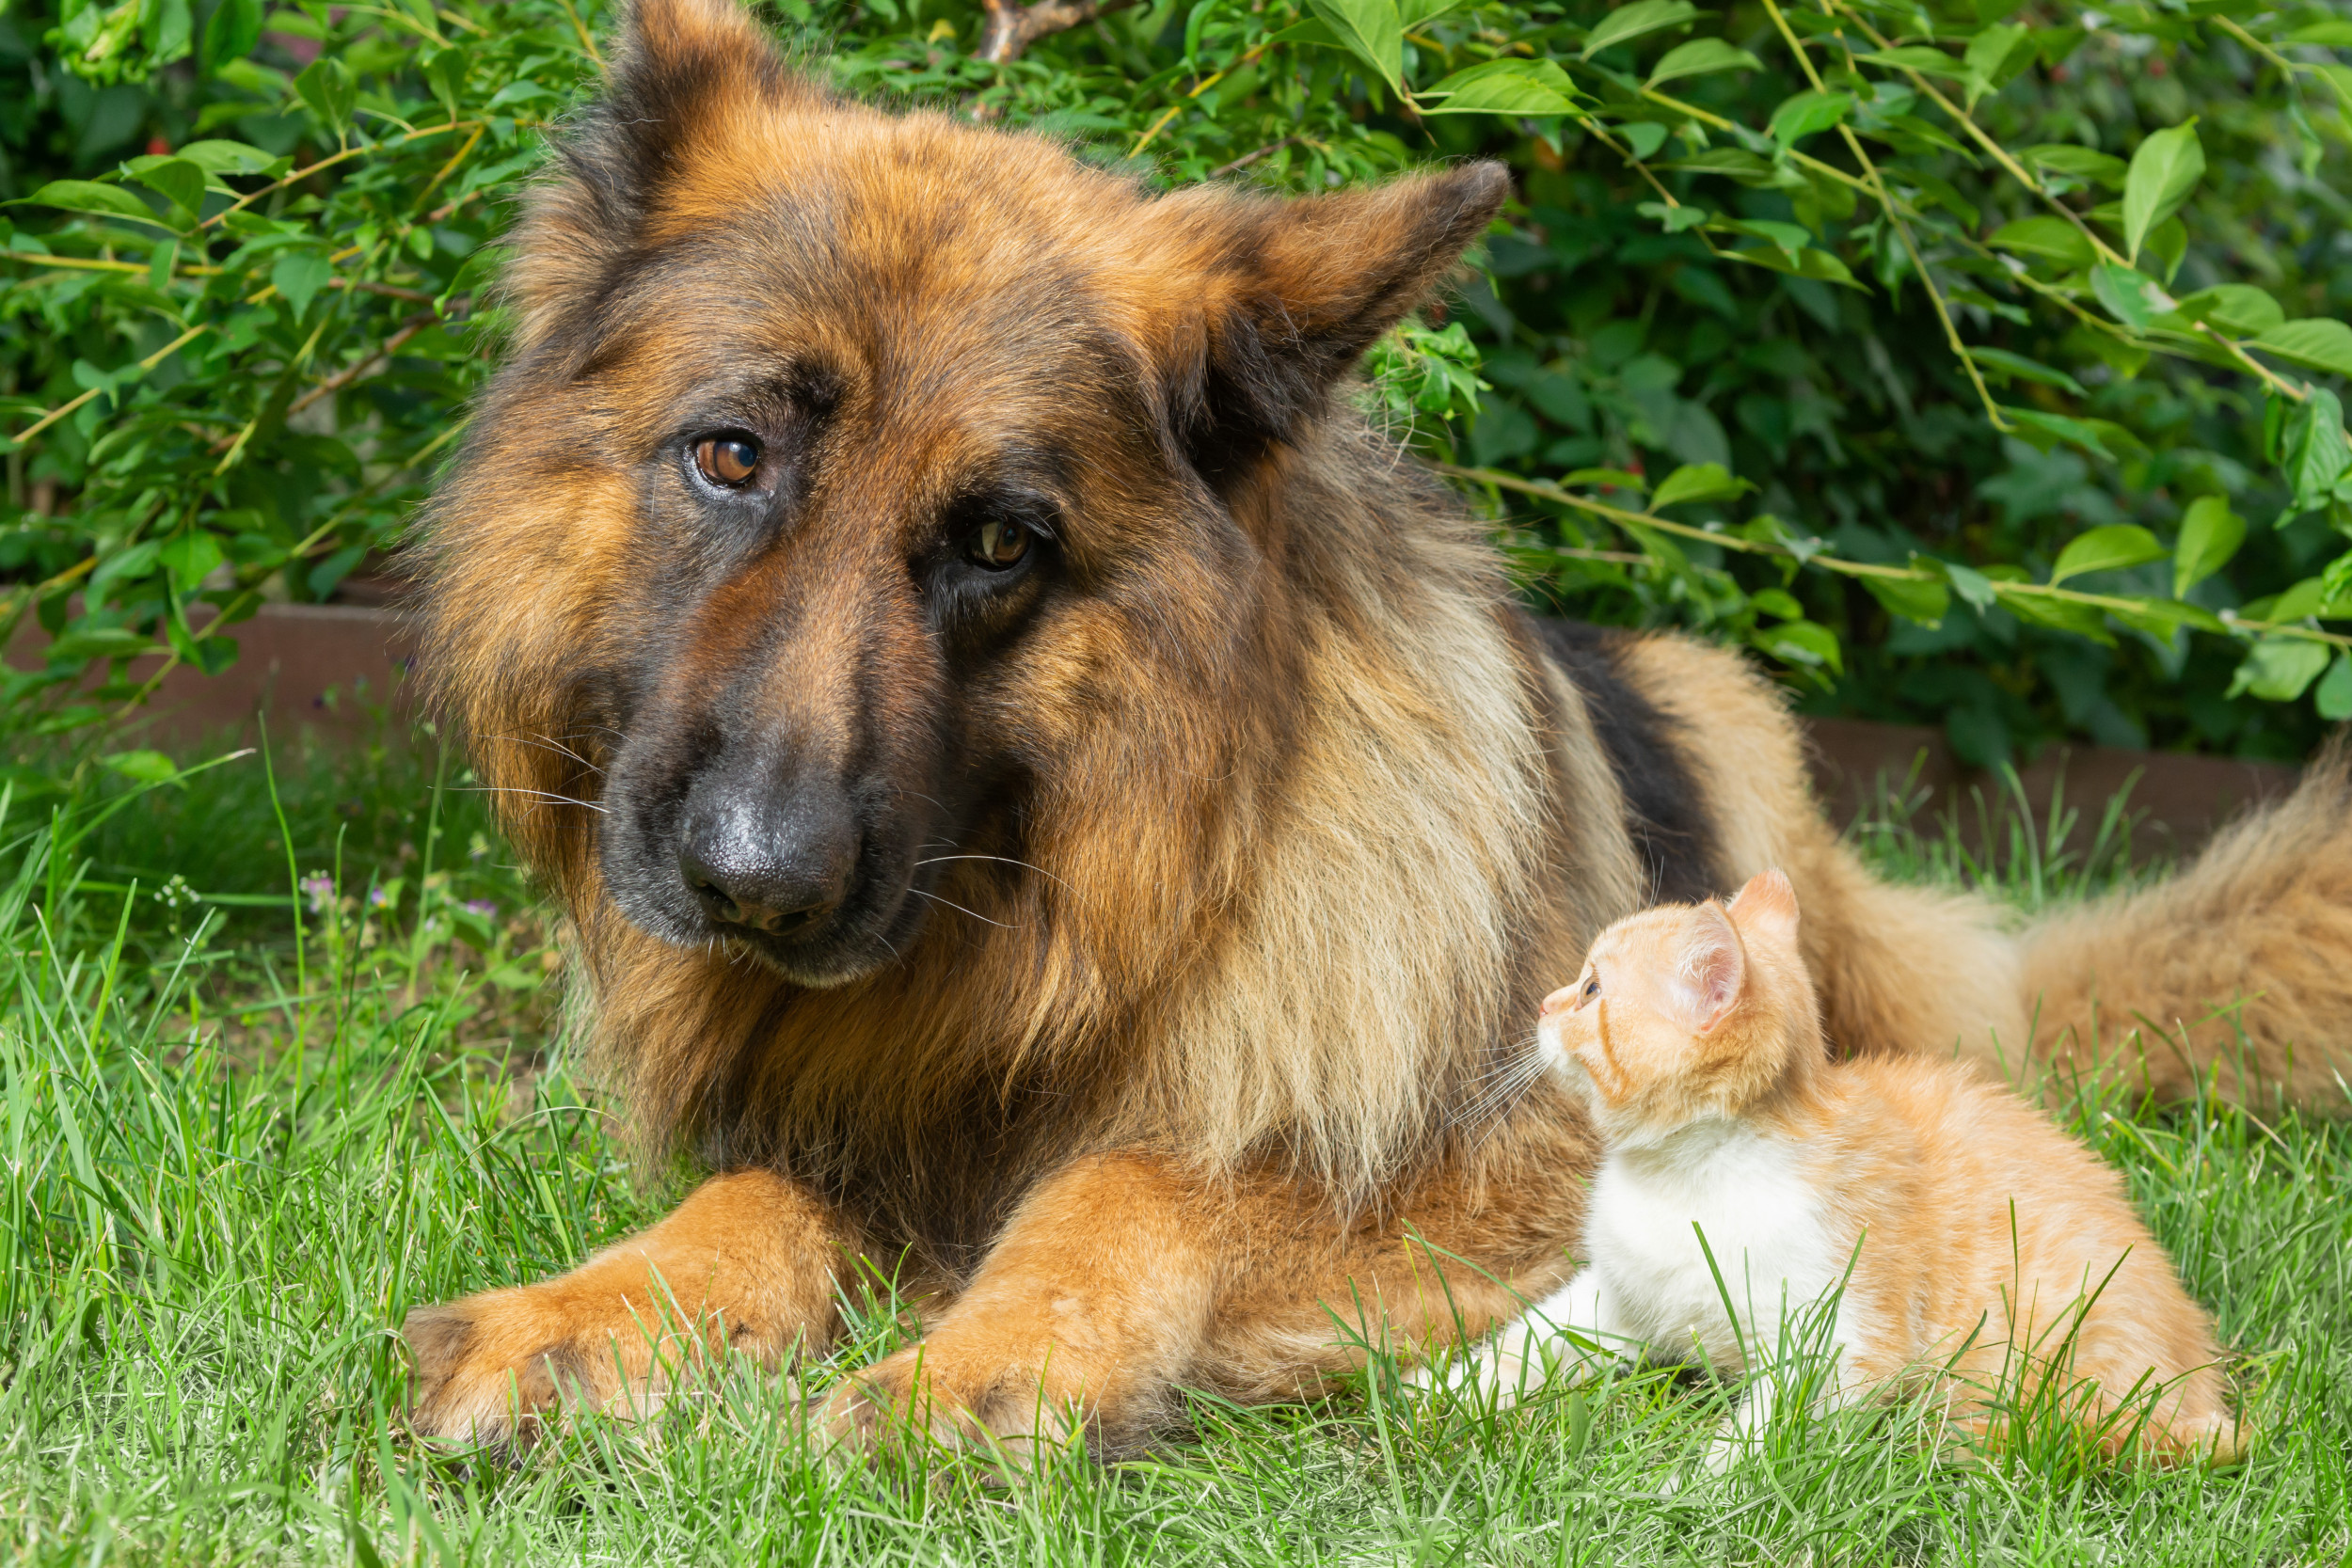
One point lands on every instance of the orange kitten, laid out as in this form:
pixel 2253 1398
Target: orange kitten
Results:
pixel 1974 1229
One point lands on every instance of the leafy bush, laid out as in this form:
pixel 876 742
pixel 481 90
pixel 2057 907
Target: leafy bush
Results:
pixel 1973 362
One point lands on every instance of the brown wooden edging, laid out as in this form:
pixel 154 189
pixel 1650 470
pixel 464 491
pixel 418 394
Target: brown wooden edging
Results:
pixel 339 669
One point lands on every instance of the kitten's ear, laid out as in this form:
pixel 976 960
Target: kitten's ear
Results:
pixel 1709 970
pixel 1766 909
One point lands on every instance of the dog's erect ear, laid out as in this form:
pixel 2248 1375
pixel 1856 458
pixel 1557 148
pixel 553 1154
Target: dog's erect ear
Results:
pixel 1292 293
pixel 687 80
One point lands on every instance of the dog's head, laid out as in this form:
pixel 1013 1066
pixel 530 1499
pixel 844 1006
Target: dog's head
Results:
pixel 858 482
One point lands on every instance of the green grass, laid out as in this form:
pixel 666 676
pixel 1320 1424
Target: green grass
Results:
pixel 229 1164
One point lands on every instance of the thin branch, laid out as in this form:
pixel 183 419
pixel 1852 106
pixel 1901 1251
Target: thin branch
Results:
pixel 145 365
pixel 1902 229
pixel 1249 158
pixel 1010 29
pixel 343 378
pixel 1625 517
pixel 1977 133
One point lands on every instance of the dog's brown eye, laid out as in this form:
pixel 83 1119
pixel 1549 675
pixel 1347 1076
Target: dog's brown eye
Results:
pixel 728 460
pixel 1000 543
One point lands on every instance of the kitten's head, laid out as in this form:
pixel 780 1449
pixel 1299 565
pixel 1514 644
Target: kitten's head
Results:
pixel 1687 1012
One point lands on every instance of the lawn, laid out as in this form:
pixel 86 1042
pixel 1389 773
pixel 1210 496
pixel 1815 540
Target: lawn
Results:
pixel 245 1127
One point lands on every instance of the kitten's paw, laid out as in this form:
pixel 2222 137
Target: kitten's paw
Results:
pixel 1499 1374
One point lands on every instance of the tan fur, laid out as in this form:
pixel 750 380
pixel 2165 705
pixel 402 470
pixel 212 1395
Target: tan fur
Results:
pixel 2237 970
pixel 1293 818
pixel 1996 1256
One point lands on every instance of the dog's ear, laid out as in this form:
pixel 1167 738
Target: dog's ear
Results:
pixel 687 81
pixel 1287 295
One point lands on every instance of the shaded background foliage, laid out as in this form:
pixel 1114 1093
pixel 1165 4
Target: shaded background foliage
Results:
pixel 1700 380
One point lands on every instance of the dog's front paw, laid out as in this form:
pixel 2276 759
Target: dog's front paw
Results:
pixel 959 1393
pixel 488 1370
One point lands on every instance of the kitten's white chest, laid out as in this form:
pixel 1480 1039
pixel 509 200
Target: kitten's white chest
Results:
pixel 1767 1229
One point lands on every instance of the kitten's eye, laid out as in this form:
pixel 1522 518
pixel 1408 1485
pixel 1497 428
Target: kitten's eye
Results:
pixel 727 461
pixel 1591 988
pixel 999 543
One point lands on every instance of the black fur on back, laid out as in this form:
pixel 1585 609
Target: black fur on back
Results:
pixel 1665 814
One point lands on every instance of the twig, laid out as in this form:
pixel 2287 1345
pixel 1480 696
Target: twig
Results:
pixel 329 161
pixel 587 40
pixel 1249 158
pixel 1976 134
pixel 343 378
pixel 1627 517
pixel 1902 229
pixel 145 365
pixel 1010 29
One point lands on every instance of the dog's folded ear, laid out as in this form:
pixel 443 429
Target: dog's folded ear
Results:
pixel 1289 294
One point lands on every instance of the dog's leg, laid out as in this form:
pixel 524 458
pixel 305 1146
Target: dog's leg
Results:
pixel 749 1261
pixel 1092 1302
pixel 1122 1279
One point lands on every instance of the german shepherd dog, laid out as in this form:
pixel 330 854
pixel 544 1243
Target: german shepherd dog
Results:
pixel 1056 808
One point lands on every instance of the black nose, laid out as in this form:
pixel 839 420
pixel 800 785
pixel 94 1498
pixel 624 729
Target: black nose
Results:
pixel 781 872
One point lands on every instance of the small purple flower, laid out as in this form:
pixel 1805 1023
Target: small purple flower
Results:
pixel 379 898
pixel 481 907
pixel 318 890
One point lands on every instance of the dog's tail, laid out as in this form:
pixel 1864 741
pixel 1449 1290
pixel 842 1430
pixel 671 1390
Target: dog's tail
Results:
pixel 2240 967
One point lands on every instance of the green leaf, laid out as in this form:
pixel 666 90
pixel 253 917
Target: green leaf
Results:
pixel 1632 22
pixel 1802 642
pixel 1924 602
pixel 1674 220
pixel 2210 535
pixel 2306 599
pixel 235 28
pixel 1372 31
pixel 2130 297
pixel 2278 669
pixel 1987 61
pixel 87 196
pixel 2164 170
pixel 145 766
pixel 178 181
pixel 1537 89
pixel 1644 136
pixel 1921 57
pixel 326 87
pixel 2320 342
pixel 2234 307
pixel 1701 57
pixel 1970 584
pixel 1698 481
pixel 2107 549
pixel 1412 13
pixel 1820 265
pixel 299 275
pixel 2314 455
pixel 90 642
pixel 2327 35
pixel 190 558
pixel 226 157
pixel 2078 163
pixel 2048 238
pixel 2060 615
pixel 2031 370
pixel 1808 114
pixel 2334 696
pixel 1615 479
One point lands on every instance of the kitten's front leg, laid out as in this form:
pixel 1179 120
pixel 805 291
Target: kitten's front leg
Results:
pixel 1742 1432
pixel 1536 1349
